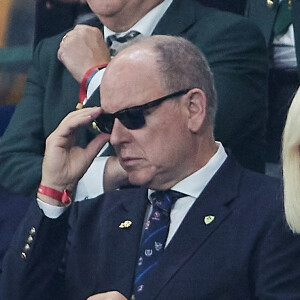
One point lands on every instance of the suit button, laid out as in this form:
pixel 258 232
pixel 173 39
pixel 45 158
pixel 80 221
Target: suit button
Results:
pixel 30 239
pixel 23 255
pixel 32 230
pixel 26 248
pixel 270 3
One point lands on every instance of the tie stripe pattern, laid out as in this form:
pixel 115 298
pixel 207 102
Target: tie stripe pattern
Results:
pixel 114 42
pixel 154 238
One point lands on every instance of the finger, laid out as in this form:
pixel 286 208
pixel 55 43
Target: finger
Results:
pixel 76 119
pixel 66 37
pixel 113 295
pixel 87 31
pixel 94 147
pixel 59 53
pixel 62 45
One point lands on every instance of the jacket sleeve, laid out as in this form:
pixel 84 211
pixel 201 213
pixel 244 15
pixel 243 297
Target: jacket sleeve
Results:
pixel 33 266
pixel 50 94
pixel 22 145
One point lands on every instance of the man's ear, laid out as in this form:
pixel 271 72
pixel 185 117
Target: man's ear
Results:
pixel 196 106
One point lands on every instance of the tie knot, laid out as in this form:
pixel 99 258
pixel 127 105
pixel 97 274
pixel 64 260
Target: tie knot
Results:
pixel 165 199
pixel 122 39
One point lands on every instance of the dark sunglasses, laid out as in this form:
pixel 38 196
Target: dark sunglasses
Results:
pixel 132 117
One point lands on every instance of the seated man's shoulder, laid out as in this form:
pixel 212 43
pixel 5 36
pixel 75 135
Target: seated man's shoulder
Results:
pixel 214 20
pixel 261 192
pixel 261 182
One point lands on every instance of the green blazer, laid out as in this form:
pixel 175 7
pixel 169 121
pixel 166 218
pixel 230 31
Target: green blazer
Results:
pixel 234 48
pixel 264 17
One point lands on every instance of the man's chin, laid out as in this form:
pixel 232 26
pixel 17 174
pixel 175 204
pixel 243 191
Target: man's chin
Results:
pixel 139 178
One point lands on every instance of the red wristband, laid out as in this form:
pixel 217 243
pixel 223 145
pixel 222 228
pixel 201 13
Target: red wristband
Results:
pixel 64 197
pixel 83 88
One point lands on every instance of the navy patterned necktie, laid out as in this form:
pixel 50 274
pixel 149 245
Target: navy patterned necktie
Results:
pixel 154 237
pixel 114 42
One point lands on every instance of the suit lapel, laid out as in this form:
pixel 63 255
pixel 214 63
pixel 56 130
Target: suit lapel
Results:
pixel 268 20
pixel 263 15
pixel 198 226
pixel 179 16
pixel 123 226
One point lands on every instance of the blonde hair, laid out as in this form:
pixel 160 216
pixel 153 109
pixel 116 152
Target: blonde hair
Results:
pixel 291 164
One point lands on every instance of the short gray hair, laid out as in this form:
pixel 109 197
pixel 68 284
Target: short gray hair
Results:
pixel 182 66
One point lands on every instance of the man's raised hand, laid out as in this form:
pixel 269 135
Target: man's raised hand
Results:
pixel 65 163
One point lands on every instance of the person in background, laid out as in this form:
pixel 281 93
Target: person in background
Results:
pixel 235 6
pixel 55 16
pixel 280 24
pixel 60 63
pixel 291 165
pixel 199 226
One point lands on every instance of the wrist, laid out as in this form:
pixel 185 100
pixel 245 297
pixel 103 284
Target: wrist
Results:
pixel 53 196
pixel 85 81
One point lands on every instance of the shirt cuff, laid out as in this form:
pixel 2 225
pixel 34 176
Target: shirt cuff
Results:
pixel 91 184
pixel 51 211
pixel 94 83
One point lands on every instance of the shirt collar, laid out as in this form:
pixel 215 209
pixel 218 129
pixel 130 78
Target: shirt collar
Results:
pixel 145 25
pixel 194 184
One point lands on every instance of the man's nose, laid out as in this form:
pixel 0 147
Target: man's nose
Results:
pixel 119 134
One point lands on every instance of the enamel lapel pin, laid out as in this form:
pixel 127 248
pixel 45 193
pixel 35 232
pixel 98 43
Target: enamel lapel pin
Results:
pixel 125 224
pixel 208 219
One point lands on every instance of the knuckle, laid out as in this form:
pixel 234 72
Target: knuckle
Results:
pixel 95 30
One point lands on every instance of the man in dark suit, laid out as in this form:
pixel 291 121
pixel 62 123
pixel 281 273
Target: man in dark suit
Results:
pixel 225 237
pixel 280 24
pixel 234 6
pixel 53 17
pixel 238 61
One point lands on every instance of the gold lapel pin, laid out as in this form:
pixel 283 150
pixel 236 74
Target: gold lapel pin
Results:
pixel 125 224
pixel 270 3
pixel 95 126
pixel 208 219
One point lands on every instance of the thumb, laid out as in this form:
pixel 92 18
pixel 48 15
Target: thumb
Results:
pixel 94 147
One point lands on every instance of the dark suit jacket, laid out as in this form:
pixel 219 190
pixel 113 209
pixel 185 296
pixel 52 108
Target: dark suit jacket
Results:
pixel 234 48
pixel 247 252
pixel 52 20
pixel 264 17
pixel 235 6
pixel 61 16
